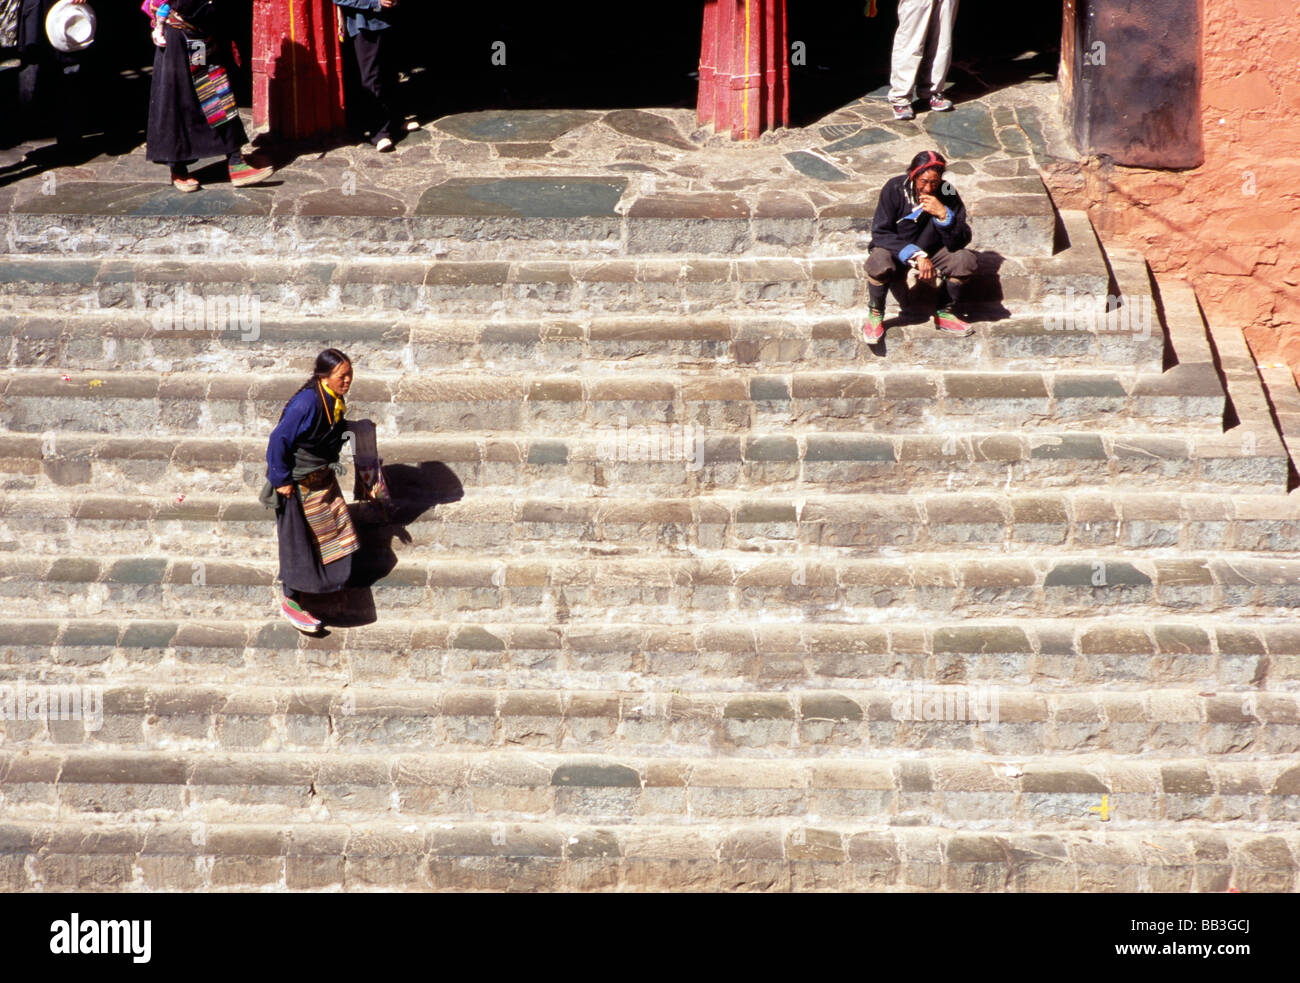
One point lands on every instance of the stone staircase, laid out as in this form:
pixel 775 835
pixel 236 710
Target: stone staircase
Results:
pixel 688 589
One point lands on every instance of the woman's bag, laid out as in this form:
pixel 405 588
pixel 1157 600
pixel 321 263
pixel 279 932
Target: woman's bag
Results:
pixel 212 86
pixel 370 485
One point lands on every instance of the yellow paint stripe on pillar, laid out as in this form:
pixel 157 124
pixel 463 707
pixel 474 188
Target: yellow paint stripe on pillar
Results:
pixel 744 101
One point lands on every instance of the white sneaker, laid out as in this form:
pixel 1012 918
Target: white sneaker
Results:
pixel 384 145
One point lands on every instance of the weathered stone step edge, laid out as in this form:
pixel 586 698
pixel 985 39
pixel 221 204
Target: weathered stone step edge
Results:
pixel 943 771
pixel 1284 400
pixel 665 225
pixel 1214 654
pixel 986 296
pixel 1053 517
pixel 719 568
pixel 807 723
pixel 590 479
pixel 1247 395
pixel 52 533
pixel 500 328
pixel 1193 390
pixel 721 384
pixel 1247 640
pixel 752 855
pixel 1024 195
pixel 776 451
pixel 707 268
pixel 108 787
pixel 592 345
pixel 1149 780
pixel 629 412
pixel 680 593
pixel 1081 267
pixel 573 531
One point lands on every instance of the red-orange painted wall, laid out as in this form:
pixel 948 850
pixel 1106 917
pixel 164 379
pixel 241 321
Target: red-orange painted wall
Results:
pixel 1240 250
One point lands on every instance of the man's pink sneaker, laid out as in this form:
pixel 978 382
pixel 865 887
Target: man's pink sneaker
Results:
pixel 874 330
pixel 950 323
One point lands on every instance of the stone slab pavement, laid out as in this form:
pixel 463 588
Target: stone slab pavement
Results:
pixel 567 163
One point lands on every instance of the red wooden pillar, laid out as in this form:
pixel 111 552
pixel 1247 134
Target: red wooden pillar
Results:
pixel 744 67
pixel 297 68
pixel 708 63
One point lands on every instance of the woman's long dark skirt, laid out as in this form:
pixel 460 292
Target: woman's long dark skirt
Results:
pixel 178 130
pixel 300 565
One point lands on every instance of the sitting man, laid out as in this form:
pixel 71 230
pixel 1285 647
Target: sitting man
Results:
pixel 919 223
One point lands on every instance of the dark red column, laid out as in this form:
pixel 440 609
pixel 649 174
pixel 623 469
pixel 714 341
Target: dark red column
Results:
pixel 744 67
pixel 297 68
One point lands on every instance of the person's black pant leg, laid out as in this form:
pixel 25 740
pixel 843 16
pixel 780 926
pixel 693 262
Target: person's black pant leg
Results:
pixel 957 268
pixel 379 79
pixel 71 87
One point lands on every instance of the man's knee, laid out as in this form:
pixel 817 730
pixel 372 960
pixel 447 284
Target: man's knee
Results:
pixel 880 265
pixel 962 264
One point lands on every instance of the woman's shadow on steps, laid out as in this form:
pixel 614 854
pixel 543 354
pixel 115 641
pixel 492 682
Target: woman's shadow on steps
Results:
pixel 414 489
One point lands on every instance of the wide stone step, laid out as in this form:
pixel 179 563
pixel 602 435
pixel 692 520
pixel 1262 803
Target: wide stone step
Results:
pixel 956 792
pixel 1185 397
pixel 682 461
pixel 721 587
pixel 739 855
pixel 933 718
pixel 235 526
pixel 1202 651
pixel 485 219
pixel 237 291
pixel 107 341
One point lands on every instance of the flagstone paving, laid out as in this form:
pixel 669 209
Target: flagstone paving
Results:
pixel 478 161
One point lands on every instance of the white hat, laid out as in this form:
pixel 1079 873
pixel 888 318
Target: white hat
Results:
pixel 70 26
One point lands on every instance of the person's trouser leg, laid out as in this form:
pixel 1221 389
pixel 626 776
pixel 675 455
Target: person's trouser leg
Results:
pixel 933 71
pixel 374 66
pixel 957 268
pixel 882 267
pixel 909 47
pixel 72 102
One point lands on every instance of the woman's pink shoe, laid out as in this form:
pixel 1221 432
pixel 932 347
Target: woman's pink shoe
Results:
pixel 297 617
pixel 242 175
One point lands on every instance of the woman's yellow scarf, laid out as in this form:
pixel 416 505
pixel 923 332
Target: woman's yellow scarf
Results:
pixel 340 406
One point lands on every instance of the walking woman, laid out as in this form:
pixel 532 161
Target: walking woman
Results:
pixel 192 112
pixel 317 538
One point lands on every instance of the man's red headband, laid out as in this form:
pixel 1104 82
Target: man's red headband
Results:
pixel 932 160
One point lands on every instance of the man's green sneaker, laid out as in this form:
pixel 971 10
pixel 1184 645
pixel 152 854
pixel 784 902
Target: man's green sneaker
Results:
pixel 874 329
pixel 950 323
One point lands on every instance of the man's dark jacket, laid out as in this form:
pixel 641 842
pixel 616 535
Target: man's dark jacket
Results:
pixel 897 224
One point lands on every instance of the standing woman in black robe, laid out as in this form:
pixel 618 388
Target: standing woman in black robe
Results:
pixel 317 538
pixel 179 130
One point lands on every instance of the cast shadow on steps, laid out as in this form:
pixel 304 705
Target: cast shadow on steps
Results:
pixel 415 489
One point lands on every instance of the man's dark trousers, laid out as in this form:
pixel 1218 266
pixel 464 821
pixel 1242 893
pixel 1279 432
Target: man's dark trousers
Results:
pixel 378 76
pixel 955 269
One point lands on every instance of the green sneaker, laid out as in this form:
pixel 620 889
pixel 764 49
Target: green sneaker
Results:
pixel 874 329
pixel 949 323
